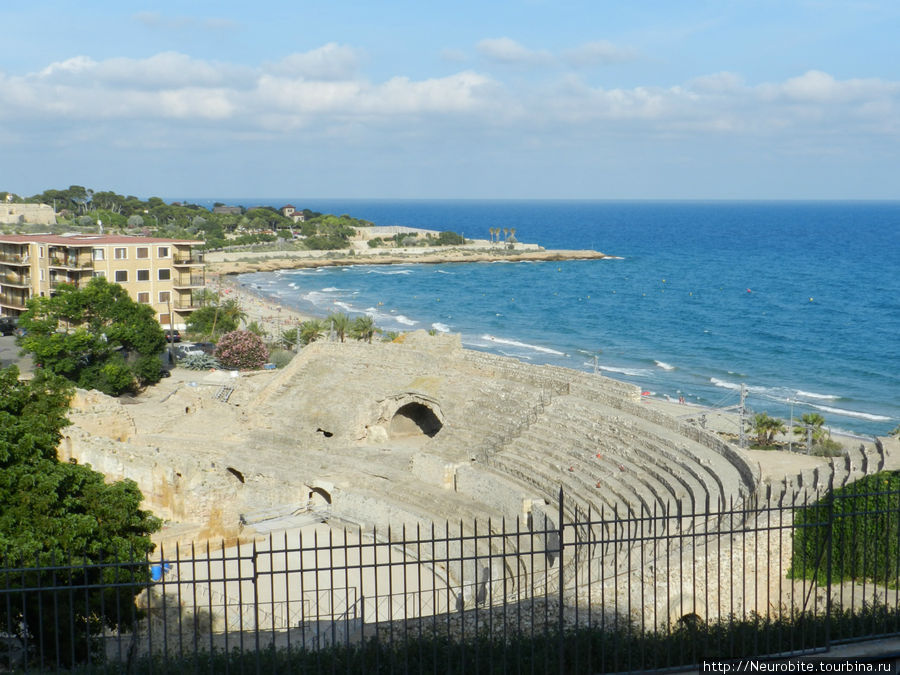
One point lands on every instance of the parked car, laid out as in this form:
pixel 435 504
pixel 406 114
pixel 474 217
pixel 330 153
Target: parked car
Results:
pixel 173 335
pixel 205 347
pixel 8 325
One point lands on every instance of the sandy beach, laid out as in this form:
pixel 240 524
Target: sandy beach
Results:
pixel 271 316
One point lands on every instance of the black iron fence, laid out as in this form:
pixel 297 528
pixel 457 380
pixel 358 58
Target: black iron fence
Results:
pixel 560 589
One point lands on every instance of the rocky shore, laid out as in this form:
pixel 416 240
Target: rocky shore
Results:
pixel 226 263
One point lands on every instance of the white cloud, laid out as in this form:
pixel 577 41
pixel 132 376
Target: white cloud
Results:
pixel 322 91
pixel 817 87
pixel 508 51
pixel 166 69
pixel 328 62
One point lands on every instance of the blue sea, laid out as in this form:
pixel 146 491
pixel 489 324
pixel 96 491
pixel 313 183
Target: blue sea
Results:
pixel 799 301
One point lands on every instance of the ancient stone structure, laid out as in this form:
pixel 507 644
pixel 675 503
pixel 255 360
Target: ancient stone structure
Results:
pixel 39 214
pixel 395 433
pixel 423 432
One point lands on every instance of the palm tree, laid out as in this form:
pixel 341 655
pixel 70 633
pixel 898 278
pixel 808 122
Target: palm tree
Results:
pixel 814 424
pixel 363 328
pixel 290 337
pixel 512 233
pixel 766 428
pixel 232 310
pixel 491 230
pixel 310 331
pixel 505 232
pixel 339 323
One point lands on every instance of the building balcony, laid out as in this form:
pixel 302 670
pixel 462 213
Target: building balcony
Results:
pixel 56 283
pixel 16 280
pixel 15 259
pixel 182 260
pixel 189 281
pixel 72 263
pixel 13 301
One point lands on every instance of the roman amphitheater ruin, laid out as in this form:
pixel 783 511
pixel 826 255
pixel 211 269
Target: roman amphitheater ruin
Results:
pixel 373 437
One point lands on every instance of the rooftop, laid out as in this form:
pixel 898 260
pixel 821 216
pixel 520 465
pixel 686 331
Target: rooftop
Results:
pixel 77 239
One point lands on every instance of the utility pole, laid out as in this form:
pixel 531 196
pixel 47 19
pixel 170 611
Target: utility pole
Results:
pixel 743 440
pixel 791 429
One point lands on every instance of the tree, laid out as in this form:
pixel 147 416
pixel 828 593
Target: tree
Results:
pixel 363 328
pixel 766 428
pixel 242 349
pixel 63 516
pixel 96 336
pixel 215 319
pixel 339 323
pixel 256 329
pixel 816 423
pixel 290 337
pixel 310 331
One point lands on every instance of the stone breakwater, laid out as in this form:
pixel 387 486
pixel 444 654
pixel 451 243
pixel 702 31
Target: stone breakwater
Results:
pixel 241 263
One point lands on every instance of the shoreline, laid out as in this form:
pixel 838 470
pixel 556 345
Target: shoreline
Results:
pixel 274 316
pixel 224 263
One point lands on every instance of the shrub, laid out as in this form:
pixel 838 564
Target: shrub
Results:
pixel 280 357
pixel 860 522
pixel 242 349
pixel 198 362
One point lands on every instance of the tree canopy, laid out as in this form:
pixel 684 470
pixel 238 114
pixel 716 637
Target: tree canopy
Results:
pixel 95 336
pixel 55 514
pixel 216 318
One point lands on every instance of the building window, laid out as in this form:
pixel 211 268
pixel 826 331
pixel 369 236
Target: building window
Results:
pixel 121 253
pixel 143 275
pixel 144 298
pixel 121 275
pixel 41 253
pixel 99 273
pixel 164 320
pixel 164 296
pixel 165 274
pixel 98 254
pixel 162 252
pixel 42 275
pixel 143 252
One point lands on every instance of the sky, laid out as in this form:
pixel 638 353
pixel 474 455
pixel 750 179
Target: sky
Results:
pixel 555 99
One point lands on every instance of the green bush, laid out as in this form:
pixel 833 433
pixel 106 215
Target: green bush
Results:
pixel 200 361
pixel 280 357
pixel 828 447
pixel 862 524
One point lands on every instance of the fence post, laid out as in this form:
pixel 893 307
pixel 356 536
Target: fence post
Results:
pixel 560 636
pixel 829 542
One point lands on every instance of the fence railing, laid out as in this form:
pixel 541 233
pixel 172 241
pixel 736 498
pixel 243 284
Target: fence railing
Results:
pixel 588 592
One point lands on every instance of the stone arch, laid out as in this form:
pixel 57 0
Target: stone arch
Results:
pixel 413 419
pixel 405 415
pixel 317 495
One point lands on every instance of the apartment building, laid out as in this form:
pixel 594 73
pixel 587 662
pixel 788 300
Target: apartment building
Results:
pixel 163 273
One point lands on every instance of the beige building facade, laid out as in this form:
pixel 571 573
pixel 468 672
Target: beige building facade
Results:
pixel 166 274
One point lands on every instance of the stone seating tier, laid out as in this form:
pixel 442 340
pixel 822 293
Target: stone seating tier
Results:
pixel 626 425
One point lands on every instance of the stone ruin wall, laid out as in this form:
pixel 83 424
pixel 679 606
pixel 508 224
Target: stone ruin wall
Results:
pixel 38 214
